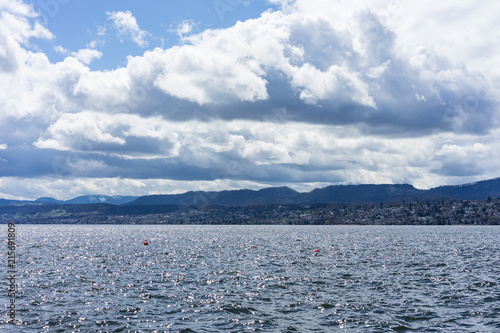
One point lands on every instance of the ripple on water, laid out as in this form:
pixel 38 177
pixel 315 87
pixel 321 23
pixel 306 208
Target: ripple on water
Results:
pixel 258 278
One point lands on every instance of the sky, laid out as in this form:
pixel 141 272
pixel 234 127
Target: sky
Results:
pixel 134 98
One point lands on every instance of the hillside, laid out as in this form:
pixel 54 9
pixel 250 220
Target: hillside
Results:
pixel 329 194
pixel 287 196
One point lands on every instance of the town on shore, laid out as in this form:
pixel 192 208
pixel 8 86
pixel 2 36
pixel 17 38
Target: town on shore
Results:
pixel 444 212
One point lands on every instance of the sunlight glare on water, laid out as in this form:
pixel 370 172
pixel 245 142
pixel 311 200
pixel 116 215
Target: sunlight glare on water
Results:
pixel 78 278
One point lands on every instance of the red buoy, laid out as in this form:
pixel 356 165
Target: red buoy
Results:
pixel 317 251
pixel 146 242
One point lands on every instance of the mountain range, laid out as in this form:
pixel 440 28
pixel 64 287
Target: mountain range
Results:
pixel 81 200
pixel 329 194
pixel 284 195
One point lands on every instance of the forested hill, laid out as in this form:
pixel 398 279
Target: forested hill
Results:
pixel 287 196
pixel 331 194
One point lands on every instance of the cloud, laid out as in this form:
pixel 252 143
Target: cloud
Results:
pixel 127 26
pixel 264 152
pixel 184 28
pixel 281 2
pixel 315 93
pixel 15 16
pixel 32 87
pixel 108 133
pixel 192 74
pixel 95 43
pixel 354 73
pixel 60 49
pixel 87 55
pixel 16 29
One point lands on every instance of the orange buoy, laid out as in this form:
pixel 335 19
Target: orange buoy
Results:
pixel 317 251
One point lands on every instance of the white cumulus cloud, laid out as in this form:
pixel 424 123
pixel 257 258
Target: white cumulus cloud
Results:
pixel 127 26
pixel 87 55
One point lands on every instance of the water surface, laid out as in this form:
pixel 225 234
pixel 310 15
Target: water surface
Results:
pixel 92 278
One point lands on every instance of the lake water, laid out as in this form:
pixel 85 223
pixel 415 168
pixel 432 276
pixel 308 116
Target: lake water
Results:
pixel 79 278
